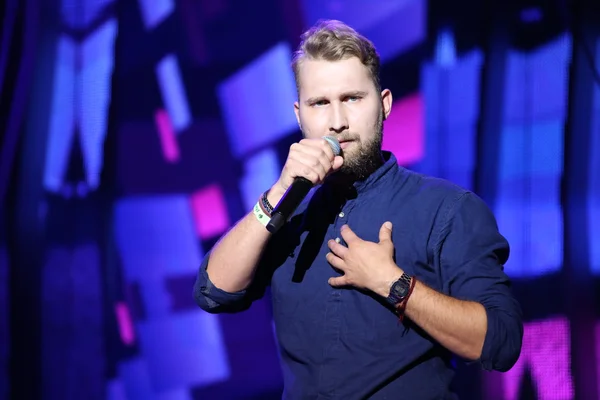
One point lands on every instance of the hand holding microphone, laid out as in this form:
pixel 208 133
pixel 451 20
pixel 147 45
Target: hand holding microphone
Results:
pixel 309 162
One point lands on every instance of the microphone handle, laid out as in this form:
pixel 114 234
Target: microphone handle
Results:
pixel 288 203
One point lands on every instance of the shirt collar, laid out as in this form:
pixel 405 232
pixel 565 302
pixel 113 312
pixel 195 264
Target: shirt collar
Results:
pixel 380 175
pixel 389 167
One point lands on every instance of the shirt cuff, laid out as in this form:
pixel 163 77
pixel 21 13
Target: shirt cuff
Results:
pixel 209 297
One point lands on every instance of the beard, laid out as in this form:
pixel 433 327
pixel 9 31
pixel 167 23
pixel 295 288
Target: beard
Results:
pixel 362 158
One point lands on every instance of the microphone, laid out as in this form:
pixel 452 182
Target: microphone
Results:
pixel 295 194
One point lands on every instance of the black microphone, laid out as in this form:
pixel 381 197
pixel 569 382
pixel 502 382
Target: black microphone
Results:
pixel 295 194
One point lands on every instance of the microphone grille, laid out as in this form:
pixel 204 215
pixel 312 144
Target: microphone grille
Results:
pixel 334 144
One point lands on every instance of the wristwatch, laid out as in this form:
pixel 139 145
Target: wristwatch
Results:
pixel 399 289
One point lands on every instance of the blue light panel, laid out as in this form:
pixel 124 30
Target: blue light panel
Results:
pixel 261 172
pixel 258 101
pixel 155 11
pixel 173 92
pixel 62 115
pixel 184 350
pixel 156 237
pixel 94 83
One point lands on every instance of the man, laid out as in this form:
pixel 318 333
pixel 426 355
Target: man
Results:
pixel 381 274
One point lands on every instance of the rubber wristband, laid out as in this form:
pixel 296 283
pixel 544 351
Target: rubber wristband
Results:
pixel 260 215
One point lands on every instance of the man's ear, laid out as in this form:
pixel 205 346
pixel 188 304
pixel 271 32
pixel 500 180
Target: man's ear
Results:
pixel 297 112
pixel 386 103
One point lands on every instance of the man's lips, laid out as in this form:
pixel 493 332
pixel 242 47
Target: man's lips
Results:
pixel 345 143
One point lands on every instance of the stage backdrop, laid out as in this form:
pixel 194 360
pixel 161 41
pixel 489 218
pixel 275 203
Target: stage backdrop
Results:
pixel 202 119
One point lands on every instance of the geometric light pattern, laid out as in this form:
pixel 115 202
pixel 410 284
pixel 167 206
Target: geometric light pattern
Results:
pixel 157 241
pixel 210 212
pixel 155 11
pixel 261 171
pixel 378 23
pixel 403 129
pixel 546 352
pixel 80 100
pixel 267 90
pixel 173 92
pixel 528 203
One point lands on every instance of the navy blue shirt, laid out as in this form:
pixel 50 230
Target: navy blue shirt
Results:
pixel 343 343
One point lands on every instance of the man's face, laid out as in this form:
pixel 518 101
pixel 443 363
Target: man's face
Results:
pixel 339 98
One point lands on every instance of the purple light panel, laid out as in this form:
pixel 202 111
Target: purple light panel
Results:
pixel 210 211
pixel 155 11
pixel 126 329
pixel 403 130
pixel 173 93
pixel 546 353
pixel 258 101
pixel 168 140
pixel 394 26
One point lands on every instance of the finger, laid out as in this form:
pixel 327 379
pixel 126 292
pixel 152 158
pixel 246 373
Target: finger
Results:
pixel 322 145
pixel 337 249
pixel 299 166
pixel 338 281
pixel 319 150
pixel 335 261
pixel 348 235
pixel 311 158
pixel 337 163
pixel 385 233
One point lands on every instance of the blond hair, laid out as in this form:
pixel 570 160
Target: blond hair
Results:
pixel 332 40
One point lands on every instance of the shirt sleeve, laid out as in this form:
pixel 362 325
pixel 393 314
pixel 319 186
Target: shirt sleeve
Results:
pixel 473 255
pixel 214 300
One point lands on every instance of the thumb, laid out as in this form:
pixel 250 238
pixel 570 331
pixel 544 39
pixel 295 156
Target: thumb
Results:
pixel 338 161
pixel 385 233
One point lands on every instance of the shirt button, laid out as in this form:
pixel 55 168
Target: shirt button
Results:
pixel 342 214
pixel 337 240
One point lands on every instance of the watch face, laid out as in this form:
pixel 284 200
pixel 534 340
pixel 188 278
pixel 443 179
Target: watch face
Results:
pixel 400 288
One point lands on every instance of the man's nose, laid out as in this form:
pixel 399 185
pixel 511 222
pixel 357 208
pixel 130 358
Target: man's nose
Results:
pixel 338 120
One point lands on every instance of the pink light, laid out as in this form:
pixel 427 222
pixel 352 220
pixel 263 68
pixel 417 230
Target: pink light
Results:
pixel 126 330
pixel 210 211
pixel 403 132
pixel 166 133
pixel 546 352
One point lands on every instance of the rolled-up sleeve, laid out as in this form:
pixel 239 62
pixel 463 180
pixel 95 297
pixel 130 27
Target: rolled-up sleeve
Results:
pixel 214 300
pixel 473 255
